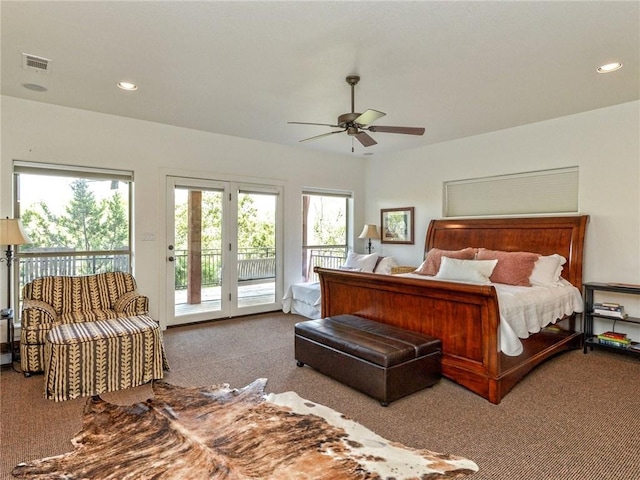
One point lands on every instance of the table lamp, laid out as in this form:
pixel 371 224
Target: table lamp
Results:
pixel 11 233
pixel 370 232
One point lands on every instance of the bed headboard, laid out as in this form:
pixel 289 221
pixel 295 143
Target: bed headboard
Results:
pixel 544 235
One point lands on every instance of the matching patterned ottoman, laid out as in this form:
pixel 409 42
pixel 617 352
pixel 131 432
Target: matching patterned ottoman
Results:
pixel 89 358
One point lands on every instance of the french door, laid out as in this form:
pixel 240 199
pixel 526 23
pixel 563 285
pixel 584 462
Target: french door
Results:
pixel 223 249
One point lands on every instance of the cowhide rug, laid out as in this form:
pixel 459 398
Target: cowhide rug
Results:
pixel 223 433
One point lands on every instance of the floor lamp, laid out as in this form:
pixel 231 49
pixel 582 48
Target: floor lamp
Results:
pixel 370 232
pixel 11 233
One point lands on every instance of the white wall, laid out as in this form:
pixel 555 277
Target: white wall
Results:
pixel 604 144
pixel 40 132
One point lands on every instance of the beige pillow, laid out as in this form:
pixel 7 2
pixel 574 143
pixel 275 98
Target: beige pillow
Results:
pixel 385 265
pixel 365 263
pixel 431 263
pixel 476 271
pixel 513 268
pixel 547 270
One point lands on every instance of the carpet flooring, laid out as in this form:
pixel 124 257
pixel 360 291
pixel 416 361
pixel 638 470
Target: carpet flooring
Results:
pixel 573 417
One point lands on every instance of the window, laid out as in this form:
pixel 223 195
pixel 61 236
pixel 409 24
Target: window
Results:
pixel 541 192
pixel 78 220
pixel 325 220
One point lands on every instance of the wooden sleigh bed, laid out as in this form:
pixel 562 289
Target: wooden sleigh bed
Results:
pixel 466 316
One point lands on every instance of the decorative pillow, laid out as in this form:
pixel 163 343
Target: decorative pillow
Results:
pixel 477 271
pixel 431 263
pixel 349 269
pixel 513 268
pixel 378 262
pixel 384 266
pixel 365 262
pixel 547 270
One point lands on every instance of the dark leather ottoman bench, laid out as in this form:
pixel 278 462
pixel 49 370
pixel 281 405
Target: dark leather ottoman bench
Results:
pixel 383 361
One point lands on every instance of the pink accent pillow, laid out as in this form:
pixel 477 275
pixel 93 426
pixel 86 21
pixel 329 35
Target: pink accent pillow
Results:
pixel 431 263
pixel 513 268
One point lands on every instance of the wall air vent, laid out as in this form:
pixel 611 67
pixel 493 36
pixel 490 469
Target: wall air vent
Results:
pixel 33 62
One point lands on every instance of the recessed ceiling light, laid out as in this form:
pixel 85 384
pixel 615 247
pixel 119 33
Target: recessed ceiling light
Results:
pixel 127 86
pixel 34 87
pixel 610 67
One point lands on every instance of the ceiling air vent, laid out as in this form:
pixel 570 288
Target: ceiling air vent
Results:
pixel 32 62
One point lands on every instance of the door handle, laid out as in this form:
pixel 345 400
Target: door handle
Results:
pixel 171 259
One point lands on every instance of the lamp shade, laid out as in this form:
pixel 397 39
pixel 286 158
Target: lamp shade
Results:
pixel 11 232
pixel 369 231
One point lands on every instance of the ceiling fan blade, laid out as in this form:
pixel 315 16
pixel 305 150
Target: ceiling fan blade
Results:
pixel 405 130
pixel 365 139
pixel 321 124
pixel 320 136
pixel 369 116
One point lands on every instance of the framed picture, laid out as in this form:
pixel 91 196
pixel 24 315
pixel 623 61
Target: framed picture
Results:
pixel 397 225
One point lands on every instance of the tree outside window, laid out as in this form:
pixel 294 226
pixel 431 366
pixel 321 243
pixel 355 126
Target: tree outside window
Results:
pixel 324 232
pixel 77 225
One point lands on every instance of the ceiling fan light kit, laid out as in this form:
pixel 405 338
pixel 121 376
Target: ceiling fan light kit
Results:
pixel 355 124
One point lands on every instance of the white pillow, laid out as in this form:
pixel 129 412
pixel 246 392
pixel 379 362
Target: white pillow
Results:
pixel 365 262
pixel 547 270
pixel 385 265
pixel 350 269
pixel 476 271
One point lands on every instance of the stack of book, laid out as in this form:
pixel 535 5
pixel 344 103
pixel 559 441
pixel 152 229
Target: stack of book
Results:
pixel 614 339
pixel 609 309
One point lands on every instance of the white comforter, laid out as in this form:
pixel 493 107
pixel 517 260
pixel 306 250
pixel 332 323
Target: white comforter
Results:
pixel 526 310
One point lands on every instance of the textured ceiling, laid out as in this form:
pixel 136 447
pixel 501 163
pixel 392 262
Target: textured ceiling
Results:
pixel 246 68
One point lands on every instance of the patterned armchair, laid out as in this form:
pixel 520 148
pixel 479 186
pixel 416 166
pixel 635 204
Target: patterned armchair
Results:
pixel 51 301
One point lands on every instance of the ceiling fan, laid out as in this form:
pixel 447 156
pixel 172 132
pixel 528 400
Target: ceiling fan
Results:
pixel 355 123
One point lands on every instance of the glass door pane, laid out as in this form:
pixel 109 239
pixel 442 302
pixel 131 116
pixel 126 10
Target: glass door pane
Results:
pixel 221 250
pixel 256 256
pixel 196 279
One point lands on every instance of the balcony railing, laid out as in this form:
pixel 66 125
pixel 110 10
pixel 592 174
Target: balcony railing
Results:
pixel 254 265
pixel 326 257
pixel 44 265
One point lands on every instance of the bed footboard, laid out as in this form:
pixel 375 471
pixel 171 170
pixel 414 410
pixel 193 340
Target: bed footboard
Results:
pixel 465 317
